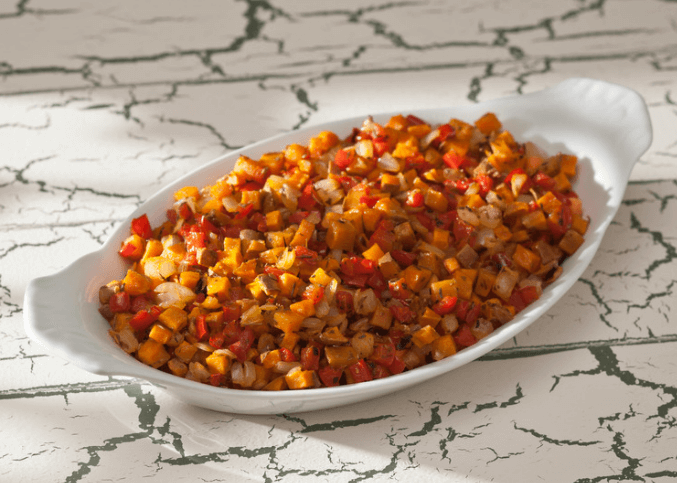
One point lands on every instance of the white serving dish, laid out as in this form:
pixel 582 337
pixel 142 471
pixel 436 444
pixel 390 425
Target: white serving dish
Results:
pixel 607 126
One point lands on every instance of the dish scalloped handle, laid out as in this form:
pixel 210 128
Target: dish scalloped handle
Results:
pixel 55 307
pixel 616 110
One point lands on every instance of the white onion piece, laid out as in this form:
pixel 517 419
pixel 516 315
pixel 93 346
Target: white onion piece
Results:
pixel 172 293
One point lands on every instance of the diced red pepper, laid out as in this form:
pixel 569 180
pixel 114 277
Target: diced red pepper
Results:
pixel 404 259
pixel 344 158
pixel 286 355
pixel 544 181
pixel 446 305
pixel 241 347
pixel 426 221
pixel 310 357
pixel 520 298
pixel 398 366
pixel 464 337
pixel 384 238
pixel 462 308
pixel 273 271
pixel 399 290
pixel 445 132
pixel 119 302
pixel 172 216
pixel 344 301
pixel 356 280
pixel 232 231
pixel 415 121
pixel 462 230
pixel 380 145
pixel 139 303
pixel 217 379
pixel 454 160
pixel 296 217
pixel 446 220
pixel 144 318
pixel 306 255
pixel 130 250
pixel 307 200
pixel 329 376
pixel 486 184
pixel 384 353
pixel 314 293
pixel 414 199
pixel 402 313
pixel 231 312
pixel 377 282
pixel 244 211
pixel 512 173
pixel 370 201
pixel 207 225
pixel 460 185
pixel 201 327
pixel 473 313
pixel 141 227
pixel 217 341
pixel 380 372
pixel 231 332
pixel 184 211
pixel 360 371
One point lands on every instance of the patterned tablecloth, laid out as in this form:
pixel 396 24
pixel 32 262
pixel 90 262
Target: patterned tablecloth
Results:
pixel 102 103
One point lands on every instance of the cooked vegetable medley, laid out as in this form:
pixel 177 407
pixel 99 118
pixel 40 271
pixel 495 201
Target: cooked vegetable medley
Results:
pixel 347 260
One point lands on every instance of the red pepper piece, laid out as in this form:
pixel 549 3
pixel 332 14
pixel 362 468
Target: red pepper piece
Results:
pixel 360 371
pixel 426 221
pixel 377 282
pixel 329 376
pixel 184 211
pixel 446 305
pixel 217 379
pixel 344 301
pixel 445 132
pixel 141 227
pixel 306 255
pixel 139 303
pixel 402 313
pixel 380 372
pixel 404 259
pixel 414 199
pixel 370 201
pixel 144 318
pixel 380 145
pixel 241 347
pixel 454 160
pixel 544 181
pixel 344 158
pixel 314 293
pixel 296 217
pixel 243 212
pixel 398 366
pixel 201 327
pixel 414 121
pixel 445 220
pixel 486 184
pixel 464 337
pixel 119 302
pixel 310 357
pixel 286 355
pixel 384 353
pixel 462 230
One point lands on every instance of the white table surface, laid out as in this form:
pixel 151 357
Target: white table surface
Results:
pixel 102 103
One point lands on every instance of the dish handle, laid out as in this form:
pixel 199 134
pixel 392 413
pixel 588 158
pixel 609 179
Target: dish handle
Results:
pixel 55 307
pixel 616 110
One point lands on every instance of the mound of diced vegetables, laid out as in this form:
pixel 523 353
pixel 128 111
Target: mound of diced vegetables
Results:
pixel 345 261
